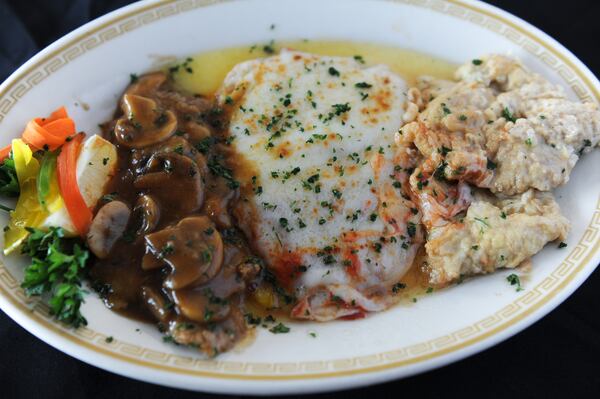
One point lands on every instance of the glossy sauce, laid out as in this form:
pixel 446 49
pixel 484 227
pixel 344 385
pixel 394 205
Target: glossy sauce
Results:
pixel 210 68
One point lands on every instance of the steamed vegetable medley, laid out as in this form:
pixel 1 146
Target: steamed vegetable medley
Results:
pixel 55 174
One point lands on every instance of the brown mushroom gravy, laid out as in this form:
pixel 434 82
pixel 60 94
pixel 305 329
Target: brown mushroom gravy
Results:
pixel 167 248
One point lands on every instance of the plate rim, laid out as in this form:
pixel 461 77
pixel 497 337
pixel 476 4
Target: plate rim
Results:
pixel 62 339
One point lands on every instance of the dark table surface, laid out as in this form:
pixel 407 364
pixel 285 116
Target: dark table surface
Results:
pixel 557 357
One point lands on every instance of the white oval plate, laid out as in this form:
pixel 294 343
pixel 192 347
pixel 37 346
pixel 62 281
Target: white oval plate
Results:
pixel 92 66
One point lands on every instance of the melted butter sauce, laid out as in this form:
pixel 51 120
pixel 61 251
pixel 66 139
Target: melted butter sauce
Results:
pixel 210 68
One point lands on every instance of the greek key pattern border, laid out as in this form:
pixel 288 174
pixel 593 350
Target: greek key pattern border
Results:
pixel 172 362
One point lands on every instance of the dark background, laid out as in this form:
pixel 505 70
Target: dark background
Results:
pixel 557 357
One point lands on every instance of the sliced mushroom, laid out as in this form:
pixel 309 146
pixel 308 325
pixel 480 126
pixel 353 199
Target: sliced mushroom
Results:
pixel 174 179
pixel 151 262
pixel 156 303
pixel 146 215
pixel 196 131
pixel 143 122
pixel 175 144
pixel 107 227
pixel 199 305
pixel 147 85
pixel 193 249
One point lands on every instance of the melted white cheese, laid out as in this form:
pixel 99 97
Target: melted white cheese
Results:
pixel 318 134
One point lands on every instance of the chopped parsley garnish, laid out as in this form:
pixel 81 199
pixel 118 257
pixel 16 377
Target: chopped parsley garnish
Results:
pixel 359 59
pixel 166 250
pixel 477 62
pixel 333 71
pixel 411 229
pixel 328 259
pixel 252 319
pixel 268 206
pixel 184 65
pixel 280 328
pixel 491 165
pixel 205 144
pixel 218 169
pixel 513 279
pixel 363 85
pixel 440 171
pixel 313 178
pixel 177 150
pixel 58 267
pixel 562 245
pixel 9 185
pixel 509 116
pixel 446 109
pixel 397 287
pixel 341 108
pixel 269 48
pixel 377 247
pixel 444 150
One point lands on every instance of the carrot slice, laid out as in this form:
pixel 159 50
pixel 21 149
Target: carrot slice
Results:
pixel 46 133
pixel 58 114
pixel 66 168
pixel 49 133
pixel 60 128
pixel 36 136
